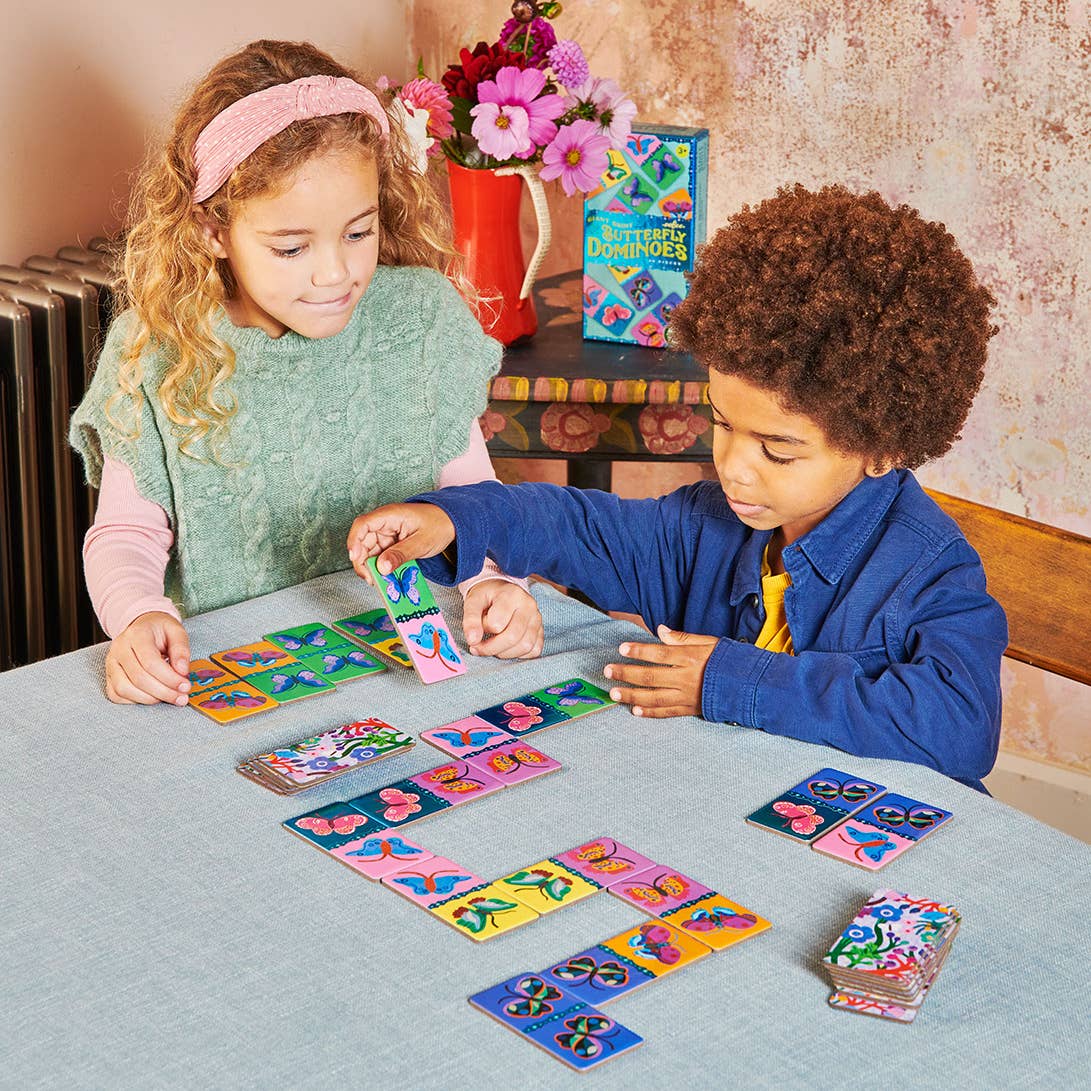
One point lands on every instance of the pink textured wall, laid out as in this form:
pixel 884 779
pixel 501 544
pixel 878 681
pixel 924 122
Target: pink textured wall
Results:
pixel 976 113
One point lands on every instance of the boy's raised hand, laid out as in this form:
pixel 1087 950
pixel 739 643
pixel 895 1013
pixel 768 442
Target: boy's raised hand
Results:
pixel 149 662
pixel 396 533
pixel 672 687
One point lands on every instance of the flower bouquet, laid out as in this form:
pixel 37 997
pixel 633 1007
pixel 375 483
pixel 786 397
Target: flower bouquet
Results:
pixel 527 106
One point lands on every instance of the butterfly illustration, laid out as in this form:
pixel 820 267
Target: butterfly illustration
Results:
pixel 853 791
pixel 599 858
pixel 399 805
pixel 718 918
pixel 616 313
pixel 874 845
pixel 654 941
pixel 639 145
pixel 592 297
pixel 649 333
pixel 204 675
pixel 435 644
pixel 452 778
pixel 467 737
pixel 381 624
pixel 800 817
pixel 331 663
pixel 677 209
pixel 530 997
pixel 664 887
pixel 554 887
pixel 635 193
pixel 640 289
pixel 436 882
pixel 520 756
pixel 254 659
pixel 403 582
pixel 478 913
pixel 662 166
pixel 375 849
pixel 316 638
pixel 521 717
pixel 237 698
pixel 569 694
pixel 284 682
pixel 342 824
pixel 584 970
pixel 920 818
pixel 586 1035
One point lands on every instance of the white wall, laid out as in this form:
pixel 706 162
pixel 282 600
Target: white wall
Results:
pixel 84 87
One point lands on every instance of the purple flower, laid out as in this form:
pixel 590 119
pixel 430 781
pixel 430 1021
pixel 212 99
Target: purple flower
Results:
pixel 535 40
pixel 510 120
pixel 568 63
pixel 577 157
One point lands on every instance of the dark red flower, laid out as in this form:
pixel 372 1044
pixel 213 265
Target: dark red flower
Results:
pixel 461 80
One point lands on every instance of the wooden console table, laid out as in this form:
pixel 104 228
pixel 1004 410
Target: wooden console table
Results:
pixel 593 402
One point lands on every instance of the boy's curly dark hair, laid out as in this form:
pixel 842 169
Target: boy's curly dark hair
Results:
pixel 867 319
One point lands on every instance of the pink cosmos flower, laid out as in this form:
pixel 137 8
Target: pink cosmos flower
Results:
pixel 499 101
pixel 428 95
pixel 577 156
pixel 501 131
pixel 614 108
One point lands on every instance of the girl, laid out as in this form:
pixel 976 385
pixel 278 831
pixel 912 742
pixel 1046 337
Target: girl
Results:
pixel 292 355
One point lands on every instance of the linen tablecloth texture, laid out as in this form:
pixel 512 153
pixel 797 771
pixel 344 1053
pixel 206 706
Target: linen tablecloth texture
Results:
pixel 160 928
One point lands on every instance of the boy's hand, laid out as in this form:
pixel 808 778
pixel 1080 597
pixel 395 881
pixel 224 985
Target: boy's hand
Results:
pixel 419 530
pixel 149 662
pixel 673 686
pixel 500 618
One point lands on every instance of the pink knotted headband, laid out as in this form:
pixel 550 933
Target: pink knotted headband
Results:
pixel 244 126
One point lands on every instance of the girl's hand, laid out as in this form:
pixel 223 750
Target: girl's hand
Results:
pixel 420 530
pixel 501 619
pixel 673 686
pixel 149 662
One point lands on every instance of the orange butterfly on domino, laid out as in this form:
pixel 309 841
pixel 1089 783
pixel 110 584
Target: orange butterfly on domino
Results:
pixel 660 888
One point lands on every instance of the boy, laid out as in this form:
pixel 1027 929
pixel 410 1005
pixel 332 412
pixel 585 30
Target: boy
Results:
pixel 816 591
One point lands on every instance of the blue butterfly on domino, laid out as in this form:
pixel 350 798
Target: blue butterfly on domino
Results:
pixel 332 663
pixel 293 642
pixel 435 642
pixel 402 583
pixel 284 682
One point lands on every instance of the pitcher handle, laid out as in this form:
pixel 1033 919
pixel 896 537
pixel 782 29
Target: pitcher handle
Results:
pixel 544 223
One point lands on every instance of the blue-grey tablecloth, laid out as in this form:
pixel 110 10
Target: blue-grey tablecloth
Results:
pixel 160 929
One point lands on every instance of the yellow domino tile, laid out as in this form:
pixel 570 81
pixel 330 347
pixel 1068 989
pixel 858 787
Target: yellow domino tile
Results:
pixel 483 913
pixel 658 947
pixel 547 886
pixel 717 921
pixel 261 655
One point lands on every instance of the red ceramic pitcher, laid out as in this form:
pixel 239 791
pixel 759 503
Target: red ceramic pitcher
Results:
pixel 485 214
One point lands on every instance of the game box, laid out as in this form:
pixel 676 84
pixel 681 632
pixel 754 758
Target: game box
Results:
pixel 640 230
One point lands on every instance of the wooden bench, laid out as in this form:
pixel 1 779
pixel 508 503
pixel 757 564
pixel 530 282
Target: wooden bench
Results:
pixel 1041 575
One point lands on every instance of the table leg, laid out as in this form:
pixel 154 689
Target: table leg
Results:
pixel 586 474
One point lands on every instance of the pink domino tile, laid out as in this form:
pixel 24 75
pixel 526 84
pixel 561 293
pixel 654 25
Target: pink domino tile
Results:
pixel 457 782
pixel 465 737
pixel 434 880
pixel 605 861
pixel 659 889
pixel 381 853
pixel 514 762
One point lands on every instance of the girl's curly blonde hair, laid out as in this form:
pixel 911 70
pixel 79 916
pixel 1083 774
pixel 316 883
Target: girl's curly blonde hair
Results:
pixel 175 284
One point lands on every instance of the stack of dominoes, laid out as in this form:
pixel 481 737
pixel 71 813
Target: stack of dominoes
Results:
pixel 885 962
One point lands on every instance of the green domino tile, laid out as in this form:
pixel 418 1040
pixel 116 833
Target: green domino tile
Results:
pixel 575 696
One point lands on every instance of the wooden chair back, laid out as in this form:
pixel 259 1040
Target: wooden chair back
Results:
pixel 1041 575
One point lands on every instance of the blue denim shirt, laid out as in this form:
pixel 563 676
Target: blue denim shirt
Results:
pixel 897 643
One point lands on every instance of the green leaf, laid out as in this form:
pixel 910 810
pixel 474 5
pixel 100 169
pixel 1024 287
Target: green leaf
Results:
pixel 494 905
pixel 460 114
pixel 472 920
pixel 558 888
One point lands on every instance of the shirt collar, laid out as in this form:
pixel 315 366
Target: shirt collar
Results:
pixel 833 545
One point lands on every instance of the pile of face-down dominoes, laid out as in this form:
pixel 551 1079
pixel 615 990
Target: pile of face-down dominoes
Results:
pixel 887 959
pixel 558 1008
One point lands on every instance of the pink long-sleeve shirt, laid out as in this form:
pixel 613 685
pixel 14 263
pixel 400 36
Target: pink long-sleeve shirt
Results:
pixel 126 550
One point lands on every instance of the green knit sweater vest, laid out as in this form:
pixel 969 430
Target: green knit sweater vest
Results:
pixel 326 429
